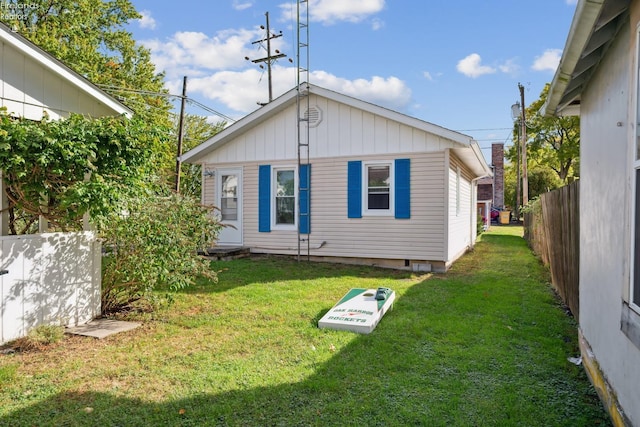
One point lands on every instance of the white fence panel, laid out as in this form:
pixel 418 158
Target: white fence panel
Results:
pixel 52 278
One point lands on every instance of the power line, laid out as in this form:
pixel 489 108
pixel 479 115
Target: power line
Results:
pixel 480 130
pixel 168 95
pixel 211 110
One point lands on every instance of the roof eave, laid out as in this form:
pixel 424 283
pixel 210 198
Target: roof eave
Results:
pixel 584 21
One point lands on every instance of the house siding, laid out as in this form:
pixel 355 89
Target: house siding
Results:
pixel 344 131
pixel 29 90
pixel 605 195
pixel 459 217
pixel 420 237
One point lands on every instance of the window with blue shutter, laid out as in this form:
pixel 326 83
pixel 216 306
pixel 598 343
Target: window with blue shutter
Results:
pixel 379 188
pixel 264 198
pixel 354 189
pixel 304 191
pixel 403 188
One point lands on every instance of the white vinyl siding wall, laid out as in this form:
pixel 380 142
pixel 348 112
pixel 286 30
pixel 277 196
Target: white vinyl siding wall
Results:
pixel 606 156
pixel 460 209
pixel 419 238
pixel 28 89
pixel 344 132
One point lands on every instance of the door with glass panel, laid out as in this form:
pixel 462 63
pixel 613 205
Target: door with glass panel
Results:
pixel 229 200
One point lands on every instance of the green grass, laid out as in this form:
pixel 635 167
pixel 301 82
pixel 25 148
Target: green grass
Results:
pixel 485 344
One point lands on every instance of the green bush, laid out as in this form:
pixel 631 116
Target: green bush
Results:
pixel 153 240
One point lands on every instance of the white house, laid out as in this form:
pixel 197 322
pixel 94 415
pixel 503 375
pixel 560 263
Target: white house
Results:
pixel 49 277
pixel 598 79
pixel 384 188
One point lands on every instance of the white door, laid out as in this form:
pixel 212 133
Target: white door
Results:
pixel 229 200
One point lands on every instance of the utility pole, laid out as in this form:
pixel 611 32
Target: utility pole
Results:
pixel 183 100
pixel 518 173
pixel 269 59
pixel 523 135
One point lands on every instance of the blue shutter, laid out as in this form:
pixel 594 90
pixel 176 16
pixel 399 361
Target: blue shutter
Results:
pixel 264 198
pixel 354 189
pixel 304 194
pixel 402 181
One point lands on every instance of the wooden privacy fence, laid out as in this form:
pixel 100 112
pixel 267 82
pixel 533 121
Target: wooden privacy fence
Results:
pixel 552 228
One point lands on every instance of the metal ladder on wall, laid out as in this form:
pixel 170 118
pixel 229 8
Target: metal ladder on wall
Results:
pixel 302 107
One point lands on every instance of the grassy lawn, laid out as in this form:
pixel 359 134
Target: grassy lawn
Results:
pixel 485 344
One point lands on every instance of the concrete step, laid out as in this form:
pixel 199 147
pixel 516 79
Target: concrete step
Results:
pixel 225 253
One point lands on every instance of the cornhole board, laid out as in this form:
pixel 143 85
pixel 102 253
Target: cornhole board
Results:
pixel 358 311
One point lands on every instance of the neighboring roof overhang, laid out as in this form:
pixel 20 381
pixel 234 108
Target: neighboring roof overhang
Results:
pixel 594 26
pixel 57 67
pixel 474 159
pixel 469 151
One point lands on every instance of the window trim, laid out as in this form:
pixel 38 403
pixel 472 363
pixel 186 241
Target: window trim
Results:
pixel 272 199
pixel 365 188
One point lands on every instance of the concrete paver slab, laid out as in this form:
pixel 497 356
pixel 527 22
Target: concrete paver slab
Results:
pixel 101 328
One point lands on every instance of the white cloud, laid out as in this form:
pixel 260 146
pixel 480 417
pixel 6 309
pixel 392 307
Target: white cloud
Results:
pixel 146 20
pixel 329 12
pixel 390 92
pixel 238 5
pixel 548 61
pixel 509 66
pixel 377 24
pixel 189 51
pixel 431 76
pixel 572 2
pixel 218 71
pixel 471 66
pixel 242 90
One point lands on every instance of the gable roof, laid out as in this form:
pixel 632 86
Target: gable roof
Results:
pixel 468 149
pixel 595 24
pixel 57 67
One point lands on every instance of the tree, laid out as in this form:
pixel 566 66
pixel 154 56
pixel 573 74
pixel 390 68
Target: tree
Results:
pixel 553 151
pixel 197 129
pixel 117 169
pixel 62 169
pixel 89 37
pixel 553 142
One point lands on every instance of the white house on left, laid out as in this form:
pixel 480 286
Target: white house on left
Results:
pixel 48 277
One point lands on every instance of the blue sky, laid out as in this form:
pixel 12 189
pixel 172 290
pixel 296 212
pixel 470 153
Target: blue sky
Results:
pixel 453 63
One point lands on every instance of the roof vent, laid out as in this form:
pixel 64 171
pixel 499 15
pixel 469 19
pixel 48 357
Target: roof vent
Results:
pixel 313 115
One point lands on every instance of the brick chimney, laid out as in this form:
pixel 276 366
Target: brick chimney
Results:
pixel 497 159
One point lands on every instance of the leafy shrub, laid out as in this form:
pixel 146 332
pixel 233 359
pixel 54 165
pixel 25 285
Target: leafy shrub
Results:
pixel 62 169
pixel 153 240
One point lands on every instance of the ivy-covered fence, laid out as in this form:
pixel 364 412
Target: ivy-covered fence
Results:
pixel 552 228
